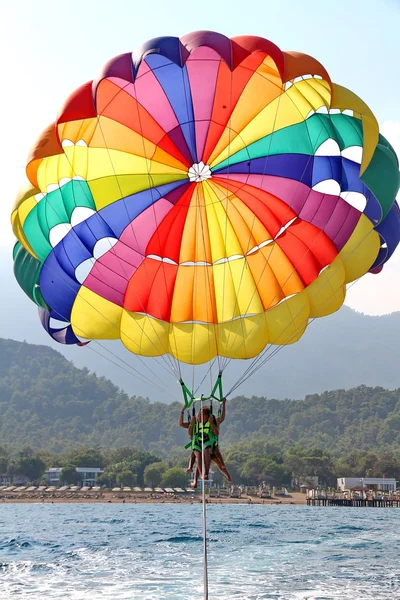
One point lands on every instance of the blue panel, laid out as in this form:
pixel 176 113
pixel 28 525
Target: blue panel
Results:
pixel 58 289
pixel 290 166
pixel 175 83
pixel 389 230
pixel 122 212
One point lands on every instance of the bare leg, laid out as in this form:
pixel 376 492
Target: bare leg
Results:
pixel 216 457
pixel 191 463
pixel 207 462
pixel 199 468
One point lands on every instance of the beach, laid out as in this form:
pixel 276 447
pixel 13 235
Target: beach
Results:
pixel 142 498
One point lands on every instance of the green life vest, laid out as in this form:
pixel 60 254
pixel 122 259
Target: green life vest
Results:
pixel 202 434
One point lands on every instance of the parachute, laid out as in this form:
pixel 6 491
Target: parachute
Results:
pixel 203 199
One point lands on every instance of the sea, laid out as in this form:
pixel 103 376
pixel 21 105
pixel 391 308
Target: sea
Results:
pixel 155 552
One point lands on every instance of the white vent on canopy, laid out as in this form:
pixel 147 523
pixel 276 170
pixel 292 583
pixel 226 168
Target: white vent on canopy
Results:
pixel 199 172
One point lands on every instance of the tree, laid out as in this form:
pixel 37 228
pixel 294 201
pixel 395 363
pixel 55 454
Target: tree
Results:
pixel 175 477
pixel 126 477
pixel 85 457
pixel 70 476
pixel 29 464
pixel 153 474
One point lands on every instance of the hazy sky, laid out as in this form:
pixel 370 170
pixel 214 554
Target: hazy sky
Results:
pixel 48 48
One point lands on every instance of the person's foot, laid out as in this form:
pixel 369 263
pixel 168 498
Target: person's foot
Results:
pixel 189 470
pixel 193 484
pixel 230 480
pixel 205 477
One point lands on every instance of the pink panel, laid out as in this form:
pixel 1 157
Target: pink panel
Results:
pixel 138 233
pixel 149 93
pixel 202 67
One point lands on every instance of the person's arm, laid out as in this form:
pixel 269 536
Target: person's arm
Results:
pixel 214 427
pixel 221 418
pixel 190 430
pixel 181 422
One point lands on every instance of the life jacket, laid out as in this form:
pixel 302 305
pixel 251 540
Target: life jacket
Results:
pixel 202 435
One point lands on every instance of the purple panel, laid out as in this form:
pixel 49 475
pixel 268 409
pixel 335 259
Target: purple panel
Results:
pixel 218 42
pixel 62 336
pixel 170 47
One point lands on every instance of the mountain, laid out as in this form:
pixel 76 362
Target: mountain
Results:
pixel 45 401
pixel 343 350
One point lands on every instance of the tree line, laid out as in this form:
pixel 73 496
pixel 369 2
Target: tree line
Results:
pixel 250 464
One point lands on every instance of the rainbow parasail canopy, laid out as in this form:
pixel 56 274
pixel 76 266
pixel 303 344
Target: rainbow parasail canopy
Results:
pixel 204 196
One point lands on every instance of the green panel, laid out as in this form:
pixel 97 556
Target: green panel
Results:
pixel 302 138
pixel 37 238
pixel 56 207
pixel 27 272
pixel 382 176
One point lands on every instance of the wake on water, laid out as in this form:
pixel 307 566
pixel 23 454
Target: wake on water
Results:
pixel 129 552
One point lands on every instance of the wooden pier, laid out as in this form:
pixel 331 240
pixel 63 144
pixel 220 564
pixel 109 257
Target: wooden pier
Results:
pixel 353 502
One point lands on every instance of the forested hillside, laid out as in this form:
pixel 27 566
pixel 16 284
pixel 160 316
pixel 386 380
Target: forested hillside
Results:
pixel 47 402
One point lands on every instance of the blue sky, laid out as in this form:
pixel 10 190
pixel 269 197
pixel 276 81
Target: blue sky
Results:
pixel 49 48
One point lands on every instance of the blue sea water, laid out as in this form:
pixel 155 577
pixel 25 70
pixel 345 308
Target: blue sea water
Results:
pixel 154 552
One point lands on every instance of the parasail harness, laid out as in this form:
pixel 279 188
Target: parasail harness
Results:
pixel 190 400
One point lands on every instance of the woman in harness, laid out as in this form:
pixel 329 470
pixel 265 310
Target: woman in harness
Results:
pixel 204 433
pixel 216 455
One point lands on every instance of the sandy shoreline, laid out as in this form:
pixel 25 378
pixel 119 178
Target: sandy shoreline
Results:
pixel 131 498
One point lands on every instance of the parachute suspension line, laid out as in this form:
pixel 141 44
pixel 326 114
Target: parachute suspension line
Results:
pixel 174 366
pixel 268 260
pixel 253 367
pixel 54 274
pixel 141 376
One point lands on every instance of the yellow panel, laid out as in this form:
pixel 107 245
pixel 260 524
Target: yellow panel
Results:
pixel 204 304
pixel 81 129
pixel 241 218
pixel 144 335
pixel 196 246
pixel 343 98
pixel 360 252
pixel 225 293
pixel 182 301
pixel 93 163
pixel 94 317
pixel 269 290
pixel 327 292
pixel 107 190
pixel 287 109
pixel 288 320
pixel 224 239
pixel 243 338
pixel 283 269
pixel 193 343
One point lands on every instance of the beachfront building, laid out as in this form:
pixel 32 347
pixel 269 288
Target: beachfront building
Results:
pixel 383 484
pixel 89 475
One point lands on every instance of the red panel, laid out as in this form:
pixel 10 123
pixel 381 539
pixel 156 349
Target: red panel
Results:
pixel 319 243
pixel 301 257
pixel 270 210
pixel 79 105
pixel 139 286
pixel 166 240
pixel 162 291
pixel 150 289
